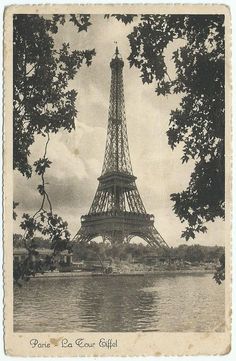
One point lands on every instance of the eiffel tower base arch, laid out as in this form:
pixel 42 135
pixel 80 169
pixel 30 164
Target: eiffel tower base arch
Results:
pixel 120 229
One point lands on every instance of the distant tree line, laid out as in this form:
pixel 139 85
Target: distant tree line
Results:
pixel 94 251
pixel 90 251
pixel 193 253
pixel 39 242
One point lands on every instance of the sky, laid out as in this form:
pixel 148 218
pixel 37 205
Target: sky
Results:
pixel 77 157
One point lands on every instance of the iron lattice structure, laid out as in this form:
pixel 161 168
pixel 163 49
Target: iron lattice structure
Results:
pixel 117 212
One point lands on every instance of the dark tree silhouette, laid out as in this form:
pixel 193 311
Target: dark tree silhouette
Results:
pixel 219 275
pixel 42 104
pixel 198 123
pixel 42 101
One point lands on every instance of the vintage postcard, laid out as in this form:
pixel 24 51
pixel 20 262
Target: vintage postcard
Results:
pixel 117 180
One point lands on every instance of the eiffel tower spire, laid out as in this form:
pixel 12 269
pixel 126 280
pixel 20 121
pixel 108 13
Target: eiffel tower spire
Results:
pixel 117 157
pixel 117 212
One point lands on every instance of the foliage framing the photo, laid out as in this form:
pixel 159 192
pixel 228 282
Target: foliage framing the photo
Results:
pixel 42 104
pixel 199 121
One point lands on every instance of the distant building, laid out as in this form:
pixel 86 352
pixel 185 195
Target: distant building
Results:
pixel 63 257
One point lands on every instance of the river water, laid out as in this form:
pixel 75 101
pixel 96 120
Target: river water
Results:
pixel 166 303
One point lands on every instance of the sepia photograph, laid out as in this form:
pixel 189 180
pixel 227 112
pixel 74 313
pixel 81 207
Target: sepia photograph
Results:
pixel 117 177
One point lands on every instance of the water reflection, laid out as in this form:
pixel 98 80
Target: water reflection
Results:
pixel 113 304
pixel 164 303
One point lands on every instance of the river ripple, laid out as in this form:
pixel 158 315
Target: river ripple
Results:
pixel 166 303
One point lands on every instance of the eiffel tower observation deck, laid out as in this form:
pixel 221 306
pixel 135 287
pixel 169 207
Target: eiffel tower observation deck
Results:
pixel 117 212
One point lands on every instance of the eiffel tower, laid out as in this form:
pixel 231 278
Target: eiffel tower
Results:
pixel 117 212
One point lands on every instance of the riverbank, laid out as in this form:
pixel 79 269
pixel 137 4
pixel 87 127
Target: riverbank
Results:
pixel 76 274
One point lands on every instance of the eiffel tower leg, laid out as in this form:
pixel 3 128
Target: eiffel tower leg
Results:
pixel 145 237
pixel 117 237
pixel 84 236
pixel 156 238
pixel 151 236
